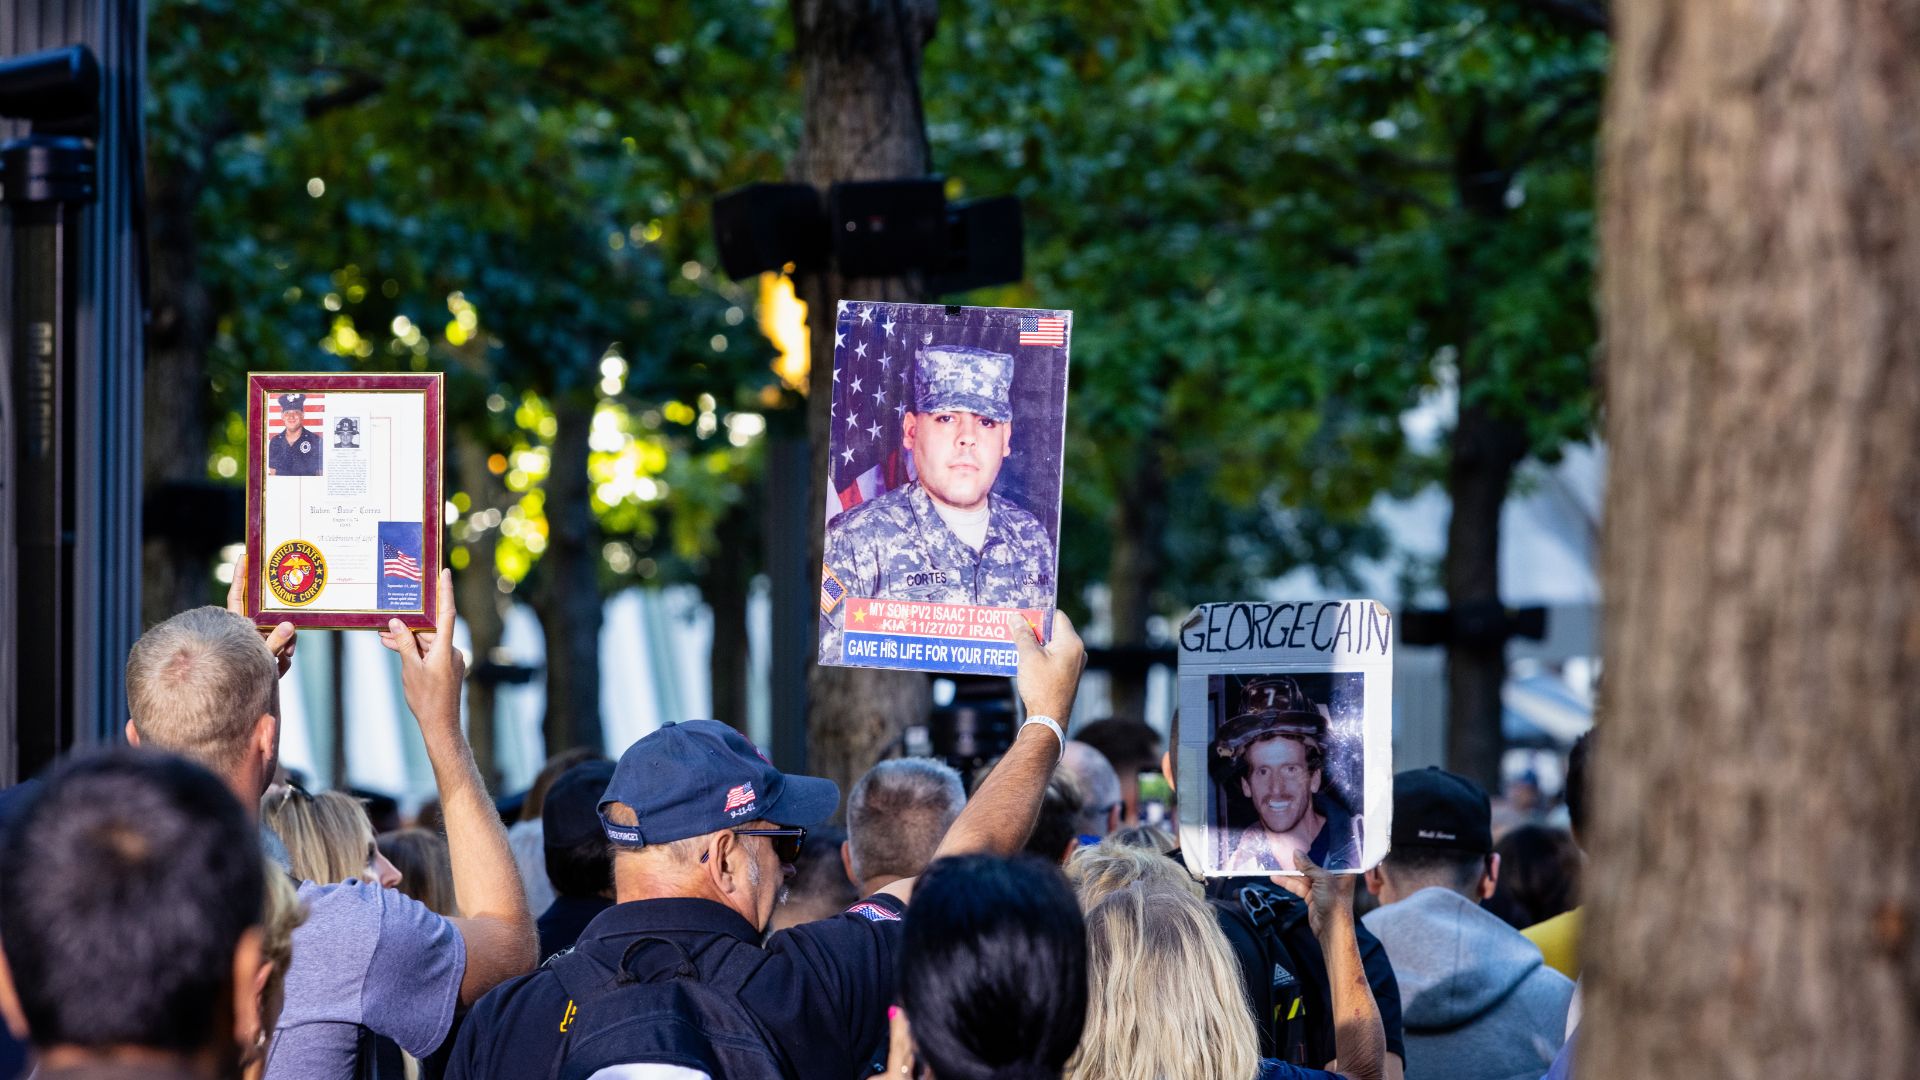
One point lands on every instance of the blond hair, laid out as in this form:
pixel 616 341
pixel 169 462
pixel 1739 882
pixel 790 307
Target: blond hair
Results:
pixel 1167 999
pixel 198 683
pixel 327 835
pixel 1101 870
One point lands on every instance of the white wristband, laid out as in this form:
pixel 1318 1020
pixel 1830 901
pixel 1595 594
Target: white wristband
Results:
pixel 1052 726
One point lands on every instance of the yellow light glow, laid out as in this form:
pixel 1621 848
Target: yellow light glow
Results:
pixel 783 319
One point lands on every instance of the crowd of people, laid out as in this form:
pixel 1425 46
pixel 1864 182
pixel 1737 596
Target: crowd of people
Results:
pixel 180 907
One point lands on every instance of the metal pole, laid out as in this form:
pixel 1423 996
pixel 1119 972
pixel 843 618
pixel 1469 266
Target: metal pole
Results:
pixel 48 179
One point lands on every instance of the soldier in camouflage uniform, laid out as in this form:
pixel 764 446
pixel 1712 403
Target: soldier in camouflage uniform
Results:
pixel 946 538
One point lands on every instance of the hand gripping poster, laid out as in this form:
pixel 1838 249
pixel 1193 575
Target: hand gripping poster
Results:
pixel 943 492
pixel 1285 736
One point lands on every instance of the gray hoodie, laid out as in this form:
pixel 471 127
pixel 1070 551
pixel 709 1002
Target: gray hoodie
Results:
pixel 1478 1002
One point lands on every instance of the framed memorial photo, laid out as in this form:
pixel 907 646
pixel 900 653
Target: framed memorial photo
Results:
pixel 343 499
pixel 943 488
pixel 1286 736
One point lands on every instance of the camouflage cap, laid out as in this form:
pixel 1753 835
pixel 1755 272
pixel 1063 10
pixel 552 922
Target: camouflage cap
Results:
pixel 963 378
pixel 1270 705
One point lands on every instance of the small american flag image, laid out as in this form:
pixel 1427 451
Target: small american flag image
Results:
pixel 831 591
pixel 740 796
pixel 399 564
pixel 1043 330
pixel 313 412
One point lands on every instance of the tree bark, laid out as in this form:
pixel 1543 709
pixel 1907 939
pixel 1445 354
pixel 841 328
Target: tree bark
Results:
pixel 1757 845
pixel 1484 453
pixel 1134 563
pixel 176 572
pixel 861 63
pixel 725 584
pixel 568 595
pixel 477 594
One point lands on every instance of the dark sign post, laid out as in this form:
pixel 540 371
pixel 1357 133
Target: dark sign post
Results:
pixel 72 340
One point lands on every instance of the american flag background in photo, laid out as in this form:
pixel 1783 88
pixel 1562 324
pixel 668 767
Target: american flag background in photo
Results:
pixel 314 411
pixel 874 346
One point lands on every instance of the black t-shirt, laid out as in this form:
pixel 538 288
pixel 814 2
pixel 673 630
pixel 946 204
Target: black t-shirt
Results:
pixel 823 991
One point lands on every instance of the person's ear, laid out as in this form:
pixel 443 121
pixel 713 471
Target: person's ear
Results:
pixel 133 733
pixel 725 865
pixel 10 1007
pixel 846 860
pixel 1491 877
pixel 266 738
pixel 1376 882
pixel 249 979
pixel 1166 767
pixel 909 423
pixel 1006 441
pixel 1113 819
pixel 1318 777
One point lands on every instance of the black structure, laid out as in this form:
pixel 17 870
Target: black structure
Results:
pixel 71 361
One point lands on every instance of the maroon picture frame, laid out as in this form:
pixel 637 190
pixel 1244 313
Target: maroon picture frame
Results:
pixel 432 387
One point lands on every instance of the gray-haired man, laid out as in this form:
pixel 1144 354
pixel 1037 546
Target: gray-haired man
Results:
pixel 946 537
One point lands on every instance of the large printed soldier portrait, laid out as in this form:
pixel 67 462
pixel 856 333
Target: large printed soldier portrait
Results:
pixel 1286 765
pixel 949 512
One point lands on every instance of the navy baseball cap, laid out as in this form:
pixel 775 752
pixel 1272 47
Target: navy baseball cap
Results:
pixel 701 777
pixel 1434 808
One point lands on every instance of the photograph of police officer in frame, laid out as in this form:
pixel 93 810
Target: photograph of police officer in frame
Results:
pixel 944 481
pixel 296 434
pixel 1287 766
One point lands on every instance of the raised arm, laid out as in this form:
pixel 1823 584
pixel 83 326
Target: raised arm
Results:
pixel 1000 816
pixel 494 922
pixel 280 639
pixel 1358 1037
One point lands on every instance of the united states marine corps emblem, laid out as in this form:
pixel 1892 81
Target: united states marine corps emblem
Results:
pixel 296 573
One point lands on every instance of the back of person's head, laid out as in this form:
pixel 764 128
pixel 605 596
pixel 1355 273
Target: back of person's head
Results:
pixel 578 858
pixel 993 969
pixel 1057 829
pixel 820 887
pixel 1151 837
pixel 897 815
pixel 1099 787
pixel 425 865
pixel 1539 875
pixel 1442 837
pixel 128 888
pixel 1167 992
pixel 328 836
pixel 198 683
pixel 1129 745
pixel 557 766
pixel 1101 870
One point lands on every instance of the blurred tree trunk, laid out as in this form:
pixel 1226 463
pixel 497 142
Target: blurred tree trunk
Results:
pixel 567 595
pixel 861 63
pixel 1757 841
pixel 726 583
pixel 1134 564
pixel 477 595
pixel 176 571
pixel 1483 452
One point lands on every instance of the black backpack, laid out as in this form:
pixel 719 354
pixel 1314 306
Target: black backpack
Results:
pixel 1268 929
pixel 658 1008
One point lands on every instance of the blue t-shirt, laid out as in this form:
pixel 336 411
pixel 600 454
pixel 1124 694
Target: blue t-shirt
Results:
pixel 1275 1069
pixel 366 956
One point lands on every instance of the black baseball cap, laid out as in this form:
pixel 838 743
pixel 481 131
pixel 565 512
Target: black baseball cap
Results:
pixel 571 814
pixel 702 776
pixel 1434 808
